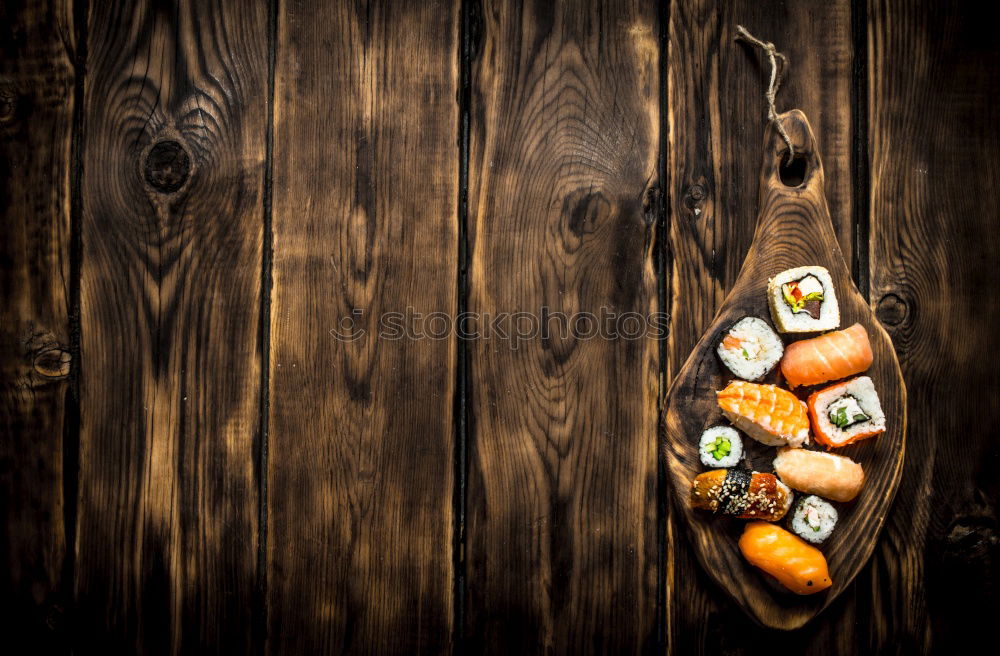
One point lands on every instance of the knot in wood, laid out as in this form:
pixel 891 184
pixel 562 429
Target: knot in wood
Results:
pixel 55 618
pixel 694 195
pixel 167 167
pixel 8 103
pixel 971 546
pixel 891 310
pixel 53 363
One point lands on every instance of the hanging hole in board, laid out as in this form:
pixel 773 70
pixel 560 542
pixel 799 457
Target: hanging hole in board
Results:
pixel 793 173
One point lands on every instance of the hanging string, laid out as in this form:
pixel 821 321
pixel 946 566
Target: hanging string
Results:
pixel 774 57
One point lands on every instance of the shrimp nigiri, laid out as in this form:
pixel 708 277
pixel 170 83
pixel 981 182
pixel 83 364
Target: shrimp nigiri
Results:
pixel 767 413
pixel 797 565
pixel 835 355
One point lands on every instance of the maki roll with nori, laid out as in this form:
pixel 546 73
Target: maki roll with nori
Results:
pixel 802 300
pixel 720 446
pixel 750 348
pixel 813 519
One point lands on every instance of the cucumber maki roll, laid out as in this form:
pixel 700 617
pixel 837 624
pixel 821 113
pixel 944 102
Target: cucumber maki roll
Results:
pixel 813 519
pixel 720 446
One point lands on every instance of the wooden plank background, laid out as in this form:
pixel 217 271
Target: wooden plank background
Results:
pixel 37 289
pixel 170 295
pixel 208 443
pixel 562 468
pixel 360 442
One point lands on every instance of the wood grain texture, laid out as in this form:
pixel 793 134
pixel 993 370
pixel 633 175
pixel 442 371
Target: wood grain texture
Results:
pixel 793 229
pixel 561 535
pixel 716 115
pixel 561 543
pixel 934 73
pixel 36 112
pixel 174 125
pixel 361 434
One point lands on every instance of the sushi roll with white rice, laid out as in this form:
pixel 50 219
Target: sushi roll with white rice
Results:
pixel 720 446
pixel 813 519
pixel 802 300
pixel 750 348
pixel 846 412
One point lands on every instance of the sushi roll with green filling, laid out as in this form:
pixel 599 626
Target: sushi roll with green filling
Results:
pixel 813 519
pixel 802 300
pixel 720 446
pixel 846 412
pixel 750 348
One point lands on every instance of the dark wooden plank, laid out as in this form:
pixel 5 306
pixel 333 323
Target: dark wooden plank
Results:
pixel 716 117
pixel 361 442
pixel 175 120
pixel 37 47
pixel 561 523
pixel 793 229
pixel 933 75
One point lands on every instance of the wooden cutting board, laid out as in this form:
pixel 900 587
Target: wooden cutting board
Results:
pixel 793 229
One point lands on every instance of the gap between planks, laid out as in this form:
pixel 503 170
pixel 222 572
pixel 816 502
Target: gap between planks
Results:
pixel 260 614
pixel 465 53
pixel 663 264
pixel 71 429
pixel 860 168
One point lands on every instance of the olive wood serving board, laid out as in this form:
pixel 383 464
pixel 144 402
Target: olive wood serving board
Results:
pixel 793 229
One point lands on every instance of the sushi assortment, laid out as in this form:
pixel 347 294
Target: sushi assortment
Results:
pixel 846 410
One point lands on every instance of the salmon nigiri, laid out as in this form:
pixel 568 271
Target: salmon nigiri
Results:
pixel 835 355
pixel 798 566
pixel 767 413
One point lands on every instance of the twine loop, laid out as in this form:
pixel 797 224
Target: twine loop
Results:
pixel 777 70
